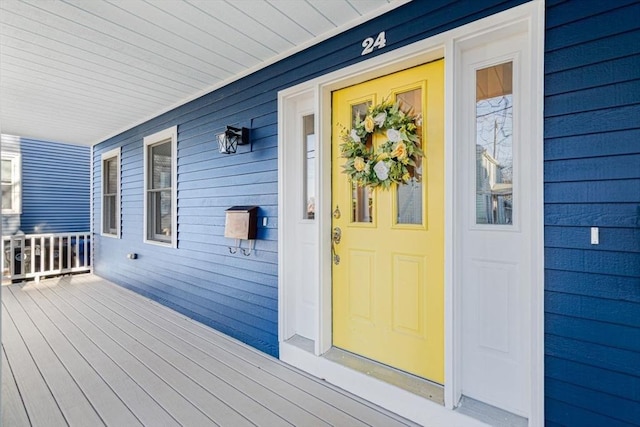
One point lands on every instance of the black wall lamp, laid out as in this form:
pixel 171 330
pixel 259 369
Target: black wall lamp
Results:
pixel 229 140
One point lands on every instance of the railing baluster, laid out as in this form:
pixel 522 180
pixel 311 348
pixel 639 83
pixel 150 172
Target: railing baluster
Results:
pixel 22 247
pixel 42 252
pixel 12 267
pixel 5 262
pixel 36 255
pixel 32 255
pixel 52 248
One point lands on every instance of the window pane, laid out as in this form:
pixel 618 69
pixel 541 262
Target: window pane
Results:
pixel 309 173
pixel 111 176
pixel 161 165
pixel 6 171
pixel 409 196
pixel 7 199
pixel 109 226
pixel 362 197
pixel 494 144
pixel 160 215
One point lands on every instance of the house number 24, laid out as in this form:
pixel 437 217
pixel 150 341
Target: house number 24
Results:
pixel 370 44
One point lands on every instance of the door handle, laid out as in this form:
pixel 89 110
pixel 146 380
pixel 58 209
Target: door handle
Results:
pixel 336 235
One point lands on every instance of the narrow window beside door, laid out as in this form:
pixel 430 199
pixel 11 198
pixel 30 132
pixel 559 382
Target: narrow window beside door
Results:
pixel 494 144
pixel 309 173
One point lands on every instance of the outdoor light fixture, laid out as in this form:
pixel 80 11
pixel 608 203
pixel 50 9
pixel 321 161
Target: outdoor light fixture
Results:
pixel 229 140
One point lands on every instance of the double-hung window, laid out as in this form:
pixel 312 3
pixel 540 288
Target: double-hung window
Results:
pixel 111 193
pixel 11 184
pixel 160 198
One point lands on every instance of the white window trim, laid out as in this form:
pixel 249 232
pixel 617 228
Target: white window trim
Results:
pixel 16 182
pixel 172 134
pixel 106 156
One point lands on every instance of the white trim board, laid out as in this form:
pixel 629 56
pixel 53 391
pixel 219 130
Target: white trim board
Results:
pixel 402 402
pixel 116 152
pixel 530 17
pixel 170 134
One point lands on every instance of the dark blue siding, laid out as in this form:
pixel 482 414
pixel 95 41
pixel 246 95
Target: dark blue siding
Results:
pixel 592 178
pixel 234 293
pixel 55 186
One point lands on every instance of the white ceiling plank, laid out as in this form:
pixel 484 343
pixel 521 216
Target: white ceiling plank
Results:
pixel 83 43
pixel 108 27
pixel 177 32
pixel 36 121
pixel 366 6
pixel 52 54
pixel 76 78
pixel 39 119
pixel 73 94
pixel 294 32
pixel 206 23
pixel 252 31
pixel 88 70
pixel 303 14
pixel 336 11
pixel 81 71
pixel 39 92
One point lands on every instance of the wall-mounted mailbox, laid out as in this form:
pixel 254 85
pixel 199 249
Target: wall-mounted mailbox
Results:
pixel 241 222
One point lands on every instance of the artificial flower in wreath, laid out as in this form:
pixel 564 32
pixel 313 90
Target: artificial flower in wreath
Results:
pixel 395 160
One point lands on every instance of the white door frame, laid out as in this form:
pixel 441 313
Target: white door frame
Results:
pixel 447 45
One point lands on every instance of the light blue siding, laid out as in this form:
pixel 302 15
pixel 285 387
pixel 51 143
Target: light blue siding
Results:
pixel 55 187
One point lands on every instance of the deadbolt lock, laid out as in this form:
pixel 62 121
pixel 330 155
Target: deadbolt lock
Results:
pixel 336 236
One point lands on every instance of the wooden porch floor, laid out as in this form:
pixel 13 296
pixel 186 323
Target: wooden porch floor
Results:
pixel 81 351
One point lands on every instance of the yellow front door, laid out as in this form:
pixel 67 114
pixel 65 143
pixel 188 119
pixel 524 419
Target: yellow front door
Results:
pixel 388 285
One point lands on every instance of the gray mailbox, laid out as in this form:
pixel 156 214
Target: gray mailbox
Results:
pixel 241 222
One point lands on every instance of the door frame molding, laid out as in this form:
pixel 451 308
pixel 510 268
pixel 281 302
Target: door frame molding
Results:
pixel 447 45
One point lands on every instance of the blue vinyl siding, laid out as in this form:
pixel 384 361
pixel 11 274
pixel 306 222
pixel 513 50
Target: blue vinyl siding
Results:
pixel 233 293
pixel 592 179
pixel 55 186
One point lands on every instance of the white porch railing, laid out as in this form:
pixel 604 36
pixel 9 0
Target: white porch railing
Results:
pixel 38 255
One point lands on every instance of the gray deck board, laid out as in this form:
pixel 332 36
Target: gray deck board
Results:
pixel 147 410
pixel 270 391
pixel 39 403
pixel 72 402
pixel 130 361
pixel 129 355
pixel 164 362
pixel 212 342
pixel 13 412
pixel 105 401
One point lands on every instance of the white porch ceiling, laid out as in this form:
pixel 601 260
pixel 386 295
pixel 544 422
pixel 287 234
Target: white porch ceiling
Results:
pixel 81 71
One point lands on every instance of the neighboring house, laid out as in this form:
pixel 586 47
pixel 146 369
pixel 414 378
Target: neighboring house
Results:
pixel 493 194
pixel 536 314
pixel 45 199
pixel 45 186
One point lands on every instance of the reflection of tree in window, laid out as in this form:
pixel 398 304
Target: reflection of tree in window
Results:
pixel 494 144
pixel 160 191
pixel 308 174
pixel 409 195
